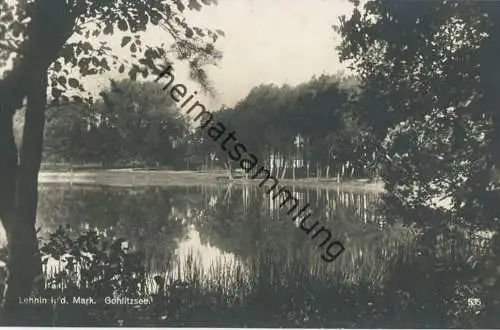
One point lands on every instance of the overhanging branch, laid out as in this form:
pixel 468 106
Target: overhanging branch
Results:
pixel 10 48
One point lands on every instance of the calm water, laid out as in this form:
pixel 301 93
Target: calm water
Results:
pixel 227 225
pixel 237 240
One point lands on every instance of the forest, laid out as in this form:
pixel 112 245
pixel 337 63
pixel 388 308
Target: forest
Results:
pixel 137 124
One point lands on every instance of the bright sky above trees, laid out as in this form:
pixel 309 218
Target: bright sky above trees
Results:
pixel 279 41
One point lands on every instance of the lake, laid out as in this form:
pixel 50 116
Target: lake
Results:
pixel 235 259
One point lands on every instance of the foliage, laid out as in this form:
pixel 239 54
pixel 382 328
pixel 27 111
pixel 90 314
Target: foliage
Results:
pixel 52 45
pixel 93 266
pixel 311 122
pixel 138 123
pixel 264 257
pixel 101 264
pixel 225 294
pixel 132 122
pixel 66 132
pixel 427 94
pixel 89 54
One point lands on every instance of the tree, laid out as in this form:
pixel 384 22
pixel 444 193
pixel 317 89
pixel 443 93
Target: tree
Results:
pixel 271 119
pixel 426 93
pixel 132 123
pixel 36 36
pixel 146 124
pixel 66 131
pixel 429 93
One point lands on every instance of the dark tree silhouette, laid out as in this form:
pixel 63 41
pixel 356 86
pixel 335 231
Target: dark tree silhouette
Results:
pixel 35 34
pixel 428 96
pixel 429 92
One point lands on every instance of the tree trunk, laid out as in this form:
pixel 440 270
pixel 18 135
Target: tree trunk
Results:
pixel 19 175
pixel 19 217
pixel 275 167
pixel 229 169
pixel 285 167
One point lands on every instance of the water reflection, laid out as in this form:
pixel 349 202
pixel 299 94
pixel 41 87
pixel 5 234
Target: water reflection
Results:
pixel 222 221
pixel 235 241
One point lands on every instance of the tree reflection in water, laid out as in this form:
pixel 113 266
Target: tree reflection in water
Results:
pixel 219 256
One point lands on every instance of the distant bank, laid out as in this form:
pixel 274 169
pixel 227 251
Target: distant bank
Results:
pixel 141 177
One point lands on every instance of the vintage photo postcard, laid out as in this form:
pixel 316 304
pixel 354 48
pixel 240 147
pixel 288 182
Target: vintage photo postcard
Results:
pixel 250 163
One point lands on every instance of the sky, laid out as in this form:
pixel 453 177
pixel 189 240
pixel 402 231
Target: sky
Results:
pixel 266 41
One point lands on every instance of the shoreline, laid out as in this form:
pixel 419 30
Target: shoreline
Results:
pixel 130 177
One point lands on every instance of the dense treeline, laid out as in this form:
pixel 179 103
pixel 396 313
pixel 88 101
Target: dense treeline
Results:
pixel 298 131
pixel 132 123
pixel 301 131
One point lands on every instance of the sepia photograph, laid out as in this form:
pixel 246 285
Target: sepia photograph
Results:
pixel 250 163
